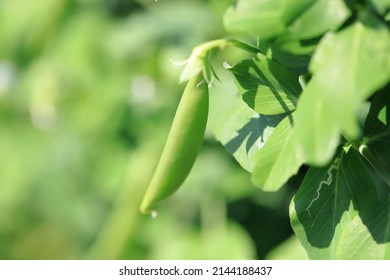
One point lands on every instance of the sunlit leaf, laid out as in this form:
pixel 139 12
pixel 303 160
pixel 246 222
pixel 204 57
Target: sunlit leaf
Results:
pixel 322 16
pixel 266 86
pixel 315 125
pixel 243 131
pixel 348 67
pixel 240 129
pixel 279 159
pixel 290 249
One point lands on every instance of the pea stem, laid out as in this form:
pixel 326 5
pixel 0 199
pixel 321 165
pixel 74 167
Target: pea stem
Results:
pixel 198 60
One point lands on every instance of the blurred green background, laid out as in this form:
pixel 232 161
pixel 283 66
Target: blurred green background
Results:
pixel 87 96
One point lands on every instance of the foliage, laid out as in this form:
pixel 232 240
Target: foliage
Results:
pixel 318 92
pixel 87 95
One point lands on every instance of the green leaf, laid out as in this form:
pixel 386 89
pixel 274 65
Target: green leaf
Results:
pixel 338 202
pixel 322 16
pixel 290 249
pixel 378 118
pixel 297 64
pixel 293 8
pixel 278 160
pixel 387 17
pixel 352 64
pixel 316 127
pixel 267 87
pixel 348 67
pixel 290 43
pixel 259 18
pixel 241 130
pixel 376 144
pixel 381 5
pixel 262 18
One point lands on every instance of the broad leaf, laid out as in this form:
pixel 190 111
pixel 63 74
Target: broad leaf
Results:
pixel 263 18
pixel 381 5
pixel 322 16
pixel 278 160
pixel 316 127
pixel 376 146
pixel 291 9
pixel 240 129
pixel 267 87
pixel 348 67
pixel 378 118
pixel 297 64
pixel 290 43
pixel 336 213
pixel 364 45
pixel 289 249
pixel 243 132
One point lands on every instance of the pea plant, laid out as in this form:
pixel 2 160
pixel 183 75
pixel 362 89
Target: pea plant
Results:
pixel 312 96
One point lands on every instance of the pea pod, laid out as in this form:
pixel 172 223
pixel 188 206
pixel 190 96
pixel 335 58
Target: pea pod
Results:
pixel 183 143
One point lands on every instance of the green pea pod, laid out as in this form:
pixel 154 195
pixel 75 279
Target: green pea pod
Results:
pixel 183 143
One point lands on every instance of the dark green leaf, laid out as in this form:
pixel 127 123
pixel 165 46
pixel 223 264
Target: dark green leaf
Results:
pixel 336 213
pixel 378 118
pixel 376 146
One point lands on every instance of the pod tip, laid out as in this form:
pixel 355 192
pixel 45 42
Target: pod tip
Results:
pixel 146 211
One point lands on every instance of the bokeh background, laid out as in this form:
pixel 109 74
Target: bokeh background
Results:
pixel 87 96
